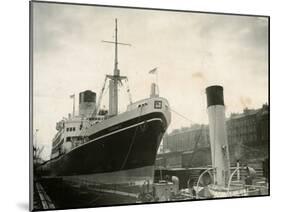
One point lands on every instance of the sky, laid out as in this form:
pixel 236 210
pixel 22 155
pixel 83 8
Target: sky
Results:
pixel 190 50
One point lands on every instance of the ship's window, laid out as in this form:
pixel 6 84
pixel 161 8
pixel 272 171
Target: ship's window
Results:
pixel 68 138
pixel 67 129
pixel 158 104
pixel 73 128
pixel 70 129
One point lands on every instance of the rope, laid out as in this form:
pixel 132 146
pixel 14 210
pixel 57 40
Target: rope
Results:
pixel 196 144
pixel 182 116
pixel 199 136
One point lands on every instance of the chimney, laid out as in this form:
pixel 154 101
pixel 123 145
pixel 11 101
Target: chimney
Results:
pixel 218 135
pixel 87 103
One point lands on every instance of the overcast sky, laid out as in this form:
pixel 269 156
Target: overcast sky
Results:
pixel 191 50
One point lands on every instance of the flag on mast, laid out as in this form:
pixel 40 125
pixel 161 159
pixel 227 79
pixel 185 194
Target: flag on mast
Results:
pixel 153 71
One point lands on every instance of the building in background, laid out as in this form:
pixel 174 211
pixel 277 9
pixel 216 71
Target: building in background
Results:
pixel 248 138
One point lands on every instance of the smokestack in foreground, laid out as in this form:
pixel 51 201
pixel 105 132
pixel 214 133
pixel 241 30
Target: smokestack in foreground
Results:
pixel 218 135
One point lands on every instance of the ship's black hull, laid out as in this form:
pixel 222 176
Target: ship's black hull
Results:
pixel 129 145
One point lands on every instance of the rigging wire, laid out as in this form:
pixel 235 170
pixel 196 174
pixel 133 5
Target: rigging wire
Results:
pixel 199 136
pixel 184 117
pixel 196 144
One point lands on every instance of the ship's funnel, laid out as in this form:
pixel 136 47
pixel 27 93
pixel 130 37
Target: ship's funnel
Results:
pixel 218 136
pixel 87 103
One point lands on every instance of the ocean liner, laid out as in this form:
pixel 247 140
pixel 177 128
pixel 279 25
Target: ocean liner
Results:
pixel 107 147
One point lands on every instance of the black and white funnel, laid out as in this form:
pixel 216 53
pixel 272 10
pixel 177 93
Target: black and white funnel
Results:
pixel 218 135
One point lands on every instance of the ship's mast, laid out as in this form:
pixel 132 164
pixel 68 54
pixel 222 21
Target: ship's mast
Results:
pixel 113 92
pixel 116 51
pixel 115 78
